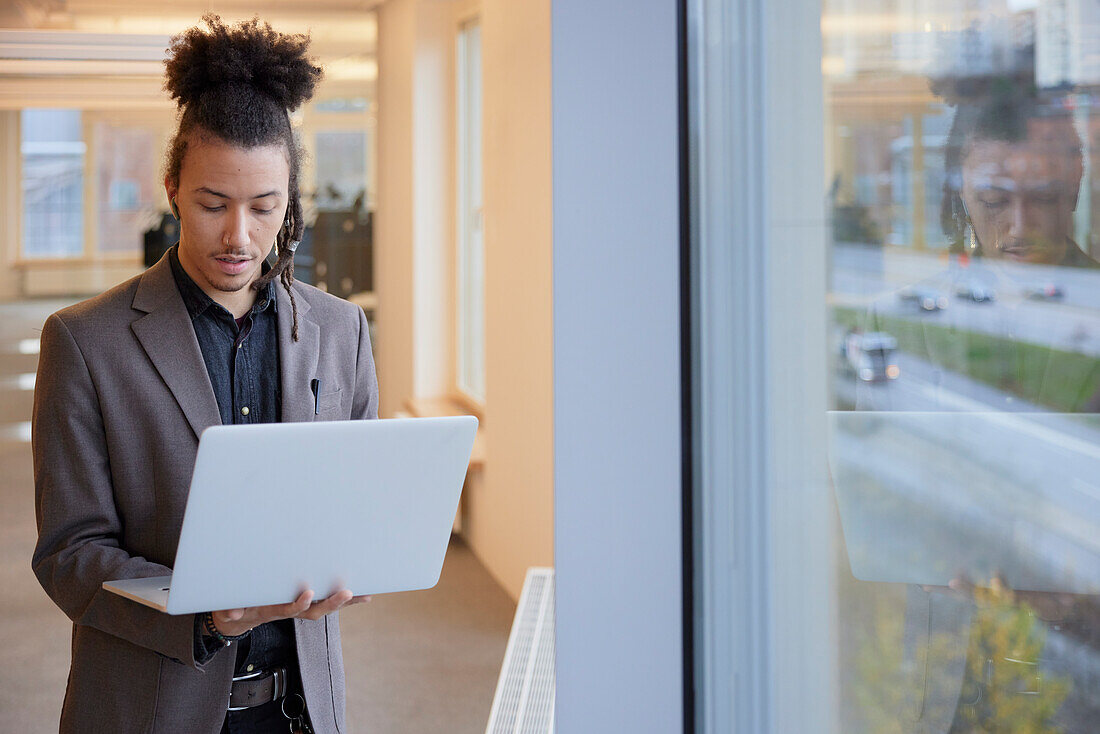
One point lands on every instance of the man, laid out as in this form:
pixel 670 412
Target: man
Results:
pixel 987 657
pixel 1014 172
pixel 128 380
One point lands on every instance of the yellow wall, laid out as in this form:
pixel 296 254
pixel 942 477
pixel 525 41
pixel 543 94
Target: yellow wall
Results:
pixel 508 517
pixel 9 200
pixel 393 236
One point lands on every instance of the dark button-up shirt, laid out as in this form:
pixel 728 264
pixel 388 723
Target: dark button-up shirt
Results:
pixel 242 360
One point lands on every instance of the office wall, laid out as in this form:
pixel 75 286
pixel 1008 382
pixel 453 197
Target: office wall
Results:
pixel 393 236
pixel 9 199
pixel 510 523
pixel 508 508
pixel 414 236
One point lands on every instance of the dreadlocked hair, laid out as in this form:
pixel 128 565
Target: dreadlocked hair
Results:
pixel 238 84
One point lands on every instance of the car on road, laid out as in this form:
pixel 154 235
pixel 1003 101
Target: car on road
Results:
pixel 870 355
pixel 1044 291
pixel 926 299
pixel 976 292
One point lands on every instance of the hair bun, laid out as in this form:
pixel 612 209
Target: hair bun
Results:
pixel 250 52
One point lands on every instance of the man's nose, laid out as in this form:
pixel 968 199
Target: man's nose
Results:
pixel 236 229
pixel 1018 214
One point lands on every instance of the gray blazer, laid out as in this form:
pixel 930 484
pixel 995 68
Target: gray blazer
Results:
pixel 121 398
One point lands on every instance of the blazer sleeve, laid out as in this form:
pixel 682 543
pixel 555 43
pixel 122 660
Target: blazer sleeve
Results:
pixel 365 403
pixel 79 528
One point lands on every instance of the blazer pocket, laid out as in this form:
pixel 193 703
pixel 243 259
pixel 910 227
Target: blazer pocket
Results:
pixel 328 402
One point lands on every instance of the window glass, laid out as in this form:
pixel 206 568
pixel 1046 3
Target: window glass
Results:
pixel 471 304
pixel 336 253
pixel 964 336
pixel 341 170
pixel 52 147
pixel 897 508
pixel 126 185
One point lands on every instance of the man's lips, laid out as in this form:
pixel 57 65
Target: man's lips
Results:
pixel 231 265
pixel 1015 249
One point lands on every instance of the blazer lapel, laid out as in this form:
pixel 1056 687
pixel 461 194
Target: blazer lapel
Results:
pixel 166 335
pixel 297 359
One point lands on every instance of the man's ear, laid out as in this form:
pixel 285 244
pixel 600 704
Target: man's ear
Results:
pixel 171 190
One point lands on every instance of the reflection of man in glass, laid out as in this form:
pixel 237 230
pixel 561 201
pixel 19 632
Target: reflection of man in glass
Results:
pixel 1014 170
pixel 991 659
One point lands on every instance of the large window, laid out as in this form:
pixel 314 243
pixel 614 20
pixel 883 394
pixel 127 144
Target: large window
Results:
pixel 470 352
pixel 65 216
pixel 897 384
pixel 52 147
pixel 126 185
pixel 965 377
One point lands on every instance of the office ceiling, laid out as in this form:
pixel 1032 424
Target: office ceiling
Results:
pixel 110 52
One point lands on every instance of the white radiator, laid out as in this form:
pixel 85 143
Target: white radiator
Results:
pixel 524 700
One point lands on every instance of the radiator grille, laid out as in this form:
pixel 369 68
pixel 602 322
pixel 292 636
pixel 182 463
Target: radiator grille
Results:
pixel 524 700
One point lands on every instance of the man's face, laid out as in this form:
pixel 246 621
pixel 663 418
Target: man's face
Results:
pixel 1020 197
pixel 231 202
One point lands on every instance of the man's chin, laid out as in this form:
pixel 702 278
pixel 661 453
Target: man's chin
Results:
pixel 230 284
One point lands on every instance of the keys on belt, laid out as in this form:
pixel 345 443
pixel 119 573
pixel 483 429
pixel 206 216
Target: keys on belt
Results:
pixel 265 686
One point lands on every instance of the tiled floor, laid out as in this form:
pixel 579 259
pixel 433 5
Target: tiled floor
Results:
pixel 418 662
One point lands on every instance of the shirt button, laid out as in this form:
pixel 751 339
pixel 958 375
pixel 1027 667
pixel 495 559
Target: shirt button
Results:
pixel 244 410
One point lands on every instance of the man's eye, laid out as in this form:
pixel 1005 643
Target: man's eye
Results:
pixel 993 202
pixel 211 208
pixel 264 211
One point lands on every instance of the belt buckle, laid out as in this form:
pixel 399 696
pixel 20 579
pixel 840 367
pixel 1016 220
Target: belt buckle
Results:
pixel 280 676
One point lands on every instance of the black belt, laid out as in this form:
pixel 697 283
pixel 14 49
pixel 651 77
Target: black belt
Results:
pixel 256 689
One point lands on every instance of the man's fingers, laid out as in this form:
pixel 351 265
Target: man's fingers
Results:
pixel 300 604
pixel 303 607
pixel 327 606
pixel 284 611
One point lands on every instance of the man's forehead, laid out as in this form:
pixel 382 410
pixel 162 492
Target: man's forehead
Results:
pixel 235 171
pixel 1038 185
pixel 1018 160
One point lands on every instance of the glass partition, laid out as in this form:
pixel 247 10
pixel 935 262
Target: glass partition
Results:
pixel 896 335
pixel 52 148
pixel 963 320
pixel 126 195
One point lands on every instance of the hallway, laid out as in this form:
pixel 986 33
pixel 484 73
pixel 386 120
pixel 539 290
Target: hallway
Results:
pixel 416 662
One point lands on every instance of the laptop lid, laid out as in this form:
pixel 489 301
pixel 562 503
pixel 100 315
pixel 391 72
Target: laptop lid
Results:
pixel 927 497
pixel 277 508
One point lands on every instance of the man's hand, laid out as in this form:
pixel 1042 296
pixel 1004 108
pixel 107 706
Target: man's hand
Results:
pixel 1051 607
pixel 233 622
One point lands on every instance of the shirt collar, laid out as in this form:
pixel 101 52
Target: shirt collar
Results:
pixel 196 300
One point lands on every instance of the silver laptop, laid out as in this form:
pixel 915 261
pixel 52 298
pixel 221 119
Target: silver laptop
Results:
pixel 277 508
pixel 927 497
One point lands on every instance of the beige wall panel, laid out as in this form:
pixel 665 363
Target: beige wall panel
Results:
pixel 393 237
pixel 508 510
pixel 511 515
pixel 10 200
